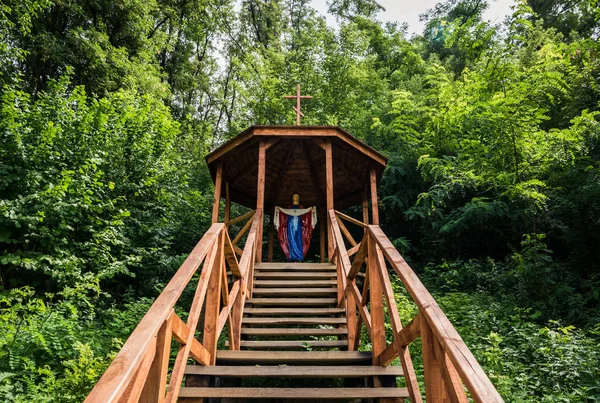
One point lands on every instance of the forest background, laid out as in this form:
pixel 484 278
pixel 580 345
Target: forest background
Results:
pixel 492 191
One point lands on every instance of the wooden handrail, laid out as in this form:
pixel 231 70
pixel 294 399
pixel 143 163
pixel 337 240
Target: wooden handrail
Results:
pixel 447 361
pixel 140 370
pixel 479 385
pixel 123 368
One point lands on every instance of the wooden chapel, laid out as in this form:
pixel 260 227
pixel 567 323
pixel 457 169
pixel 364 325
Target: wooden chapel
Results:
pixel 264 165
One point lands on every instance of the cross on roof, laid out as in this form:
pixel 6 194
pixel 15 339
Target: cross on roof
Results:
pixel 297 107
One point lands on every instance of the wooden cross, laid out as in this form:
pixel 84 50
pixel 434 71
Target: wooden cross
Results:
pixel 297 107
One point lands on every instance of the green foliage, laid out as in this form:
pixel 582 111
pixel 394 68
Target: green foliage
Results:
pixel 108 108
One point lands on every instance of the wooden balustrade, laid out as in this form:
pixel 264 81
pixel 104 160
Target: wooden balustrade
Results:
pixel 141 369
pixel 449 366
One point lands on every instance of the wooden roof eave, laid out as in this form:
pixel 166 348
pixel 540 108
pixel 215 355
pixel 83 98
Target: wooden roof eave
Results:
pixel 300 132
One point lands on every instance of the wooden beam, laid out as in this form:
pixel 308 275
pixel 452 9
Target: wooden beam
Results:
pixel 434 382
pixel 242 217
pixel 329 187
pixel 260 196
pixel 181 333
pixel 376 298
pixel 217 196
pixel 374 202
pixel 350 219
pixel 271 235
pixel 227 205
pixel 365 209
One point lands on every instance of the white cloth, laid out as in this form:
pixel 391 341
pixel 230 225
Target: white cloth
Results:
pixel 296 212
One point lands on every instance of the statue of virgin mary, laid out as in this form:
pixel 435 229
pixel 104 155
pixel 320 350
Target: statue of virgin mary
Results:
pixel 294 228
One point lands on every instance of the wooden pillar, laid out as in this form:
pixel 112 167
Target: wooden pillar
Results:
pixel 329 186
pixel 213 302
pixel 365 208
pixel 322 225
pixel 376 301
pixel 260 196
pixel 217 198
pixel 271 235
pixel 374 202
pixel 227 205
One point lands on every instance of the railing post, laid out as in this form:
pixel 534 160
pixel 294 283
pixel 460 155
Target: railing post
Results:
pixel 434 382
pixel 156 382
pixel 213 302
pixel 376 303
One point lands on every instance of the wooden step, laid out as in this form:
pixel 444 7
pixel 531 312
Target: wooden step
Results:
pixel 285 331
pixel 288 344
pixel 294 275
pixel 303 267
pixel 294 283
pixel 293 321
pixel 277 371
pixel 292 301
pixel 293 393
pixel 253 357
pixel 294 292
pixel 294 311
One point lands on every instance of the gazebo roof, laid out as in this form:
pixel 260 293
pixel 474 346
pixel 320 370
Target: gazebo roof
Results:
pixel 295 162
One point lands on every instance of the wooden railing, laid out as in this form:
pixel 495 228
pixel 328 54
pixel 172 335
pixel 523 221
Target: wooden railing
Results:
pixel 140 372
pixel 449 366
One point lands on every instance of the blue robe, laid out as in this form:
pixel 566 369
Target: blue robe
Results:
pixel 294 229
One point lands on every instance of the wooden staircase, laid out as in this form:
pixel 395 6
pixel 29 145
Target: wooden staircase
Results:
pixel 292 330
pixel 302 325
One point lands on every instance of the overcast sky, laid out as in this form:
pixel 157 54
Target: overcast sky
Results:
pixel 409 10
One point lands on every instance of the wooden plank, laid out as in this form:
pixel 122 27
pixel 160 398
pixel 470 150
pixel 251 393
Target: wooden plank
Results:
pixel 323 268
pixel 245 228
pixel 294 292
pixel 277 331
pixel 407 335
pixel 181 334
pixel 295 266
pixel 295 275
pixel 294 283
pixel 362 309
pixel 294 311
pixel 217 195
pixel 353 249
pixel 350 219
pixel 231 258
pixel 308 371
pixel 329 192
pixel 346 233
pixel 405 359
pixel 359 258
pixel 260 196
pixel 477 382
pixel 293 393
pixel 374 202
pixel 244 357
pixel 293 321
pixel 242 217
pixel 292 301
pixel 155 388
pixel 119 374
pixel 293 344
